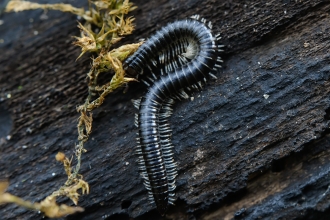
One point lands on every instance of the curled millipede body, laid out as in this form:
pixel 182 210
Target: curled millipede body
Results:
pixel 174 62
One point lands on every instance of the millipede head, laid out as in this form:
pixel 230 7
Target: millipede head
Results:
pixel 130 71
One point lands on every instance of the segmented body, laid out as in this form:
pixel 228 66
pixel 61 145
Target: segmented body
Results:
pixel 175 61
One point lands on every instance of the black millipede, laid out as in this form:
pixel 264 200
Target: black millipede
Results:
pixel 174 62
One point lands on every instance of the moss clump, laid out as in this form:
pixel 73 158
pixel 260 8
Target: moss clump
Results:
pixel 109 18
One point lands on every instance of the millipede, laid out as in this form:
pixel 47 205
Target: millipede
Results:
pixel 176 61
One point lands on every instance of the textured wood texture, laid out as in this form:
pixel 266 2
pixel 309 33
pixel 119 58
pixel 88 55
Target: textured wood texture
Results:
pixel 253 144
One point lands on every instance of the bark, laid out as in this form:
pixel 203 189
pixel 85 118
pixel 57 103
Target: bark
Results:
pixel 253 144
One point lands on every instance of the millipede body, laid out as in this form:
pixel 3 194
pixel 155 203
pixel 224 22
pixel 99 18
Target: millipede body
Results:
pixel 176 61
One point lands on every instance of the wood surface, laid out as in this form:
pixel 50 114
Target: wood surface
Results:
pixel 254 144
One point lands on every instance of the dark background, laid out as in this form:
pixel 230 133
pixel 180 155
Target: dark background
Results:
pixel 254 144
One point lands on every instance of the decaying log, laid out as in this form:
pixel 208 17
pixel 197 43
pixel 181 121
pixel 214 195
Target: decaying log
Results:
pixel 253 144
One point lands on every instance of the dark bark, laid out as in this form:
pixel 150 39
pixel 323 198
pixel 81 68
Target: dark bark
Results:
pixel 253 144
